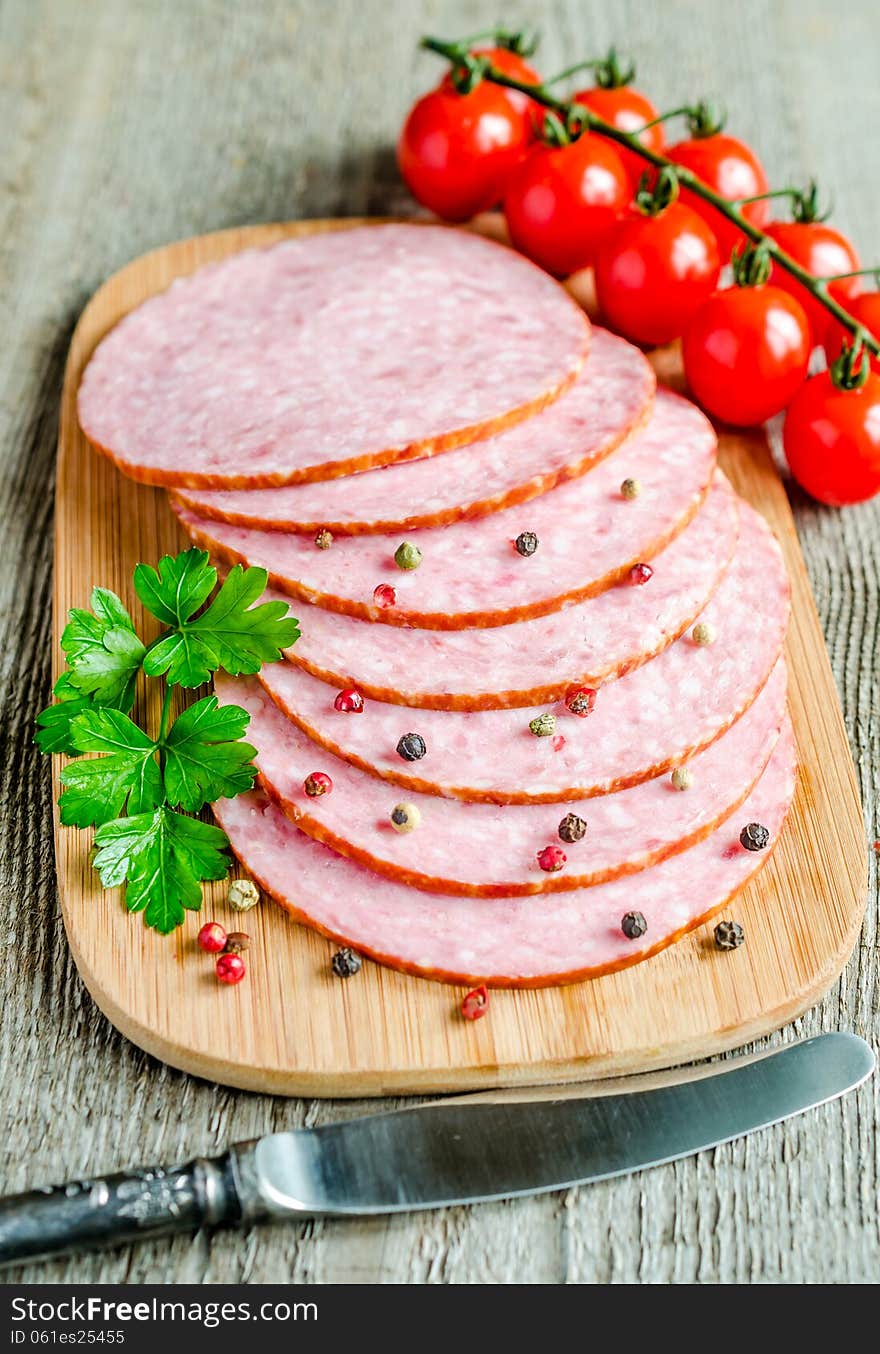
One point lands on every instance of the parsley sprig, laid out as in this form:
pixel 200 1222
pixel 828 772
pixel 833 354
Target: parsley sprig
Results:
pixel 139 790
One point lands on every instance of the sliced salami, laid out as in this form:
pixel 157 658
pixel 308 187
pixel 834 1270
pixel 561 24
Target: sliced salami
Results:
pixel 531 660
pixel 445 846
pixel 610 399
pixel 329 354
pixel 510 942
pixel 579 539
pixel 642 725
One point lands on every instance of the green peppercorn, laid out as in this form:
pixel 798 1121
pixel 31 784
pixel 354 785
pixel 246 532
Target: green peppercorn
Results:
pixel 542 726
pixel 324 539
pixel 630 488
pixel 407 555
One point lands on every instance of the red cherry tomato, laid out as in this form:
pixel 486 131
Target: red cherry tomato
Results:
pixel 823 251
pixel 653 273
pixel 516 66
pixel 746 352
pixel 456 151
pixel 730 167
pixel 865 309
pixel 832 440
pixel 562 199
pixel 629 110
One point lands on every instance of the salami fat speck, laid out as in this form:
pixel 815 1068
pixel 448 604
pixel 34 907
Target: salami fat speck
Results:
pixel 329 354
pixel 587 536
pixel 642 724
pixel 495 851
pixel 510 942
pixel 610 399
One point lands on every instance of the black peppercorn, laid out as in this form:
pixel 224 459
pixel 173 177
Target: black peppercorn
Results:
pixel 572 828
pixel 633 925
pixel 754 836
pixel 526 543
pixel 729 935
pixel 411 747
pixel 345 963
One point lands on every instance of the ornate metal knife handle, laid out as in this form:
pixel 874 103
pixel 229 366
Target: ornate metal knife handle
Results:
pixel 128 1206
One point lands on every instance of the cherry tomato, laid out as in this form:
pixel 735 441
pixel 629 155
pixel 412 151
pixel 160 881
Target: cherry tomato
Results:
pixel 516 66
pixel 561 200
pixel 832 440
pixel 865 309
pixel 456 151
pixel 746 352
pixel 730 167
pixel 823 251
pixel 653 272
pixel 629 110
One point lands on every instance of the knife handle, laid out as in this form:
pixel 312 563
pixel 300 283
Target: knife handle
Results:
pixel 129 1206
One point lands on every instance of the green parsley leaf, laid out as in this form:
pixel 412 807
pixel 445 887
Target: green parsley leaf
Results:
pixel 97 790
pixel 53 723
pixel 175 590
pixel 103 650
pixel 161 857
pixel 231 633
pixel 204 757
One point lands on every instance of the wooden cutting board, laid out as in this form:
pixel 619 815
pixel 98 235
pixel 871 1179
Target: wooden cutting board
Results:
pixel 293 1029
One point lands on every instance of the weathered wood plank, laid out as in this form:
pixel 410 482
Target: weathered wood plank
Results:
pixel 123 125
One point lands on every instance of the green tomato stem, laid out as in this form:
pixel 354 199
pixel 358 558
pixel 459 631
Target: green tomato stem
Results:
pixel 453 52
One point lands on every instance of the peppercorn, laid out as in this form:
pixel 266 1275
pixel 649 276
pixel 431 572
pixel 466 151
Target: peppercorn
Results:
pixel 630 488
pixel 345 963
pixel 411 747
pixel 703 633
pixel 572 828
pixel 542 726
pixel 526 543
pixel 639 574
pixel 476 1003
pixel 384 596
pixel 729 935
pixel 580 701
pixel 754 836
pixel 633 925
pixel 349 702
pixel 243 894
pixel 318 783
pixel 552 858
pixel 407 555
pixel 405 817
pixel 212 937
pixel 230 968
pixel 236 942
pixel 682 779
pixel 324 539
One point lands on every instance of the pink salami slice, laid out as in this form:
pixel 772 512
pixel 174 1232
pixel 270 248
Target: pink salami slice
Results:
pixel 509 942
pixel 329 354
pixel 642 725
pixel 493 851
pixel 531 660
pixel 588 534
pixel 611 397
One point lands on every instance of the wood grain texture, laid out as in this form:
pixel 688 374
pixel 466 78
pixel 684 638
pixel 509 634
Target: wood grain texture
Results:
pixel 127 124
pixel 293 1029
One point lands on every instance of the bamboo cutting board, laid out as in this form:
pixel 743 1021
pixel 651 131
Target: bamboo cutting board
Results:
pixel 290 1027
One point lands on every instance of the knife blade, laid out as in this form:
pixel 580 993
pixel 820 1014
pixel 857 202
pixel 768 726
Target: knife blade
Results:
pixel 468 1149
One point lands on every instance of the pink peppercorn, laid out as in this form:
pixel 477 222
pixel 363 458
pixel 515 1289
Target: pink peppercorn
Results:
pixel 476 1003
pixel 212 937
pixel 639 574
pixel 318 783
pixel 385 596
pixel 350 701
pixel 230 968
pixel 552 858
pixel 580 701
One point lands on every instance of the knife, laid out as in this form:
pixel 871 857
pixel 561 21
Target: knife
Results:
pixel 463 1150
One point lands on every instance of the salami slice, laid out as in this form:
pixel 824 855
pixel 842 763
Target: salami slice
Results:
pixel 330 354
pixel 642 725
pixel 510 942
pixel 532 660
pixel 584 537
pixel 610 399
pixel 493 851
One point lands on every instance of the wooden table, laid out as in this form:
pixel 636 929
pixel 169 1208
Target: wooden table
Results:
pixel 127 123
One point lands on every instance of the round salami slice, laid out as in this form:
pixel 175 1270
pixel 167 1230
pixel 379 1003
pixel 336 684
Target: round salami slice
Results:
pixel 610 399
pixel 485 850
pixel 563 547
pixel 531 660
pixel 509 942
pixel 642 725
pixel 330 354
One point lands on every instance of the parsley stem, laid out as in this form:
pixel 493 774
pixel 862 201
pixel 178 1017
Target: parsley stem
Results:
pixel 166 707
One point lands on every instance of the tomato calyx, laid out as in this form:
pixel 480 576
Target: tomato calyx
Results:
pixel 557 131
pixel 522 41
pixel 614 72
pixel 652 199
pixel 705 119
pixel 468 71
pixel 805 209
pixel 751 265
pixel 852 368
